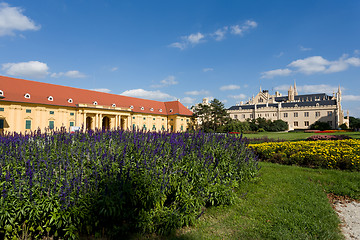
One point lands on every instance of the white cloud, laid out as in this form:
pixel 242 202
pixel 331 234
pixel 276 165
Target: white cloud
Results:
pixel 313 65
pixel 31 69
pixel 276 72
pixel 105 90
pixel 353 61
pixel 220 33
pixel 180 45
pixel 356 52
pixel 229 87
pixel 240 29
pixel 304 49
pixel 12 19
pixel 141 93
pixel 69 74
pixel 310 65
pixel 279 55
pixel 192 40
pixel 208 69
pixel 114 69
pixel 351 98
pixel 240 96
pixel 188 100
pixel 168 81
pixel 195 93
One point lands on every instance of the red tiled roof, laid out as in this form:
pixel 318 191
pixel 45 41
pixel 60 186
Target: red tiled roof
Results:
pixel 14 90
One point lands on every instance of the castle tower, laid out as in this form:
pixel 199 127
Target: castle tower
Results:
pixel 291 96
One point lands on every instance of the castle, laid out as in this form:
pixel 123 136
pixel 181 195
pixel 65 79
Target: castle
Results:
pixel 28 105
pixel 299 111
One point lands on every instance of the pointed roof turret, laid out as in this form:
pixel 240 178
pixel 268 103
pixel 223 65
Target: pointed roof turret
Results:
pixel 295 89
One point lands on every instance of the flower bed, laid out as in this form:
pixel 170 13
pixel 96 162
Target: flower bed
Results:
pixel 341 154
pixel 64 185
pixel 328 137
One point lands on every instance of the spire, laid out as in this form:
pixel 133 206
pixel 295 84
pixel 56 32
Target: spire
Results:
pixel 339 89
pixel 295 90
pixel 260 89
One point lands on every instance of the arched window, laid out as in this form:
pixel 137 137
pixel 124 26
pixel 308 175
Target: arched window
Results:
pixel 95 103
pixel 160 110
pixel 151 109
pixel 142 108
pixel 113 105
pixel 171 110
pixel 131 107
pixel 70 100
pixel 1 93
pixel 50 98
pixel 27 96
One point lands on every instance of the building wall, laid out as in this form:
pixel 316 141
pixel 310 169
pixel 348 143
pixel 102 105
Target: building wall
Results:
pixel 26 117
pixel 297 117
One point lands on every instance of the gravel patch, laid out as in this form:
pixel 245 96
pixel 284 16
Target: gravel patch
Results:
pixel 349 214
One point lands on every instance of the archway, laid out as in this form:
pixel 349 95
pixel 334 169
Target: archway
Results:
pixel 88 123
pixel 106 123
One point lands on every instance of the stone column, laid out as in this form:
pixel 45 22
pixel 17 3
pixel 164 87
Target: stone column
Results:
pixel 84 122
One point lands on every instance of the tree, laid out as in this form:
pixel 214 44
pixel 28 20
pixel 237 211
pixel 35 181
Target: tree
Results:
pixel 261 124
pixel 320 126
pixel 211 117
pixel 235 126
pixel 354 123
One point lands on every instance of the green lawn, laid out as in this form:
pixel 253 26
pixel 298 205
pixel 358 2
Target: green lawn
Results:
pixel 296 136
pixel 283 202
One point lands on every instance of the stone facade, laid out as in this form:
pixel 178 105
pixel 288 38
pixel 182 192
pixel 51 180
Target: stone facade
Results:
pixel 299 111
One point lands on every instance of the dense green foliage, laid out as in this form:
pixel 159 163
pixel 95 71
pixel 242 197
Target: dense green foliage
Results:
pixel 210 117
pixel 354 123
pixel 282 202
pixel 262 124
pixel 318 125
pixel 235 126
pixel 115 182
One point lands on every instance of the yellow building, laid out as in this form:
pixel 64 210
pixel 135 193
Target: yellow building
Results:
pixel 28 105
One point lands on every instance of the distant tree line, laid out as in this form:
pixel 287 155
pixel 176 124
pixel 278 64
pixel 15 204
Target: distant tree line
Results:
pixel 214 117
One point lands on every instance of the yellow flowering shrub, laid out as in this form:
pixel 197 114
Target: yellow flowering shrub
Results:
pixel 339 154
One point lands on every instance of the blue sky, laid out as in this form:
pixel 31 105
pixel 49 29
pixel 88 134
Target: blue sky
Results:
pixel 187 50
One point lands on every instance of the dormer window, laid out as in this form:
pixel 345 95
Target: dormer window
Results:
pixel 50 98
pixel 1 93
pixel 70 100
pixel 131 107
pixel 160 110
pixel 113 105
pixel 27 96
pixel 151 109
pixel 95 103
pixel 171 110
pixel 142 108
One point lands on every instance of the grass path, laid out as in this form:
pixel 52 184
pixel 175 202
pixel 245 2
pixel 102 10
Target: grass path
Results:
pixel 283 202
